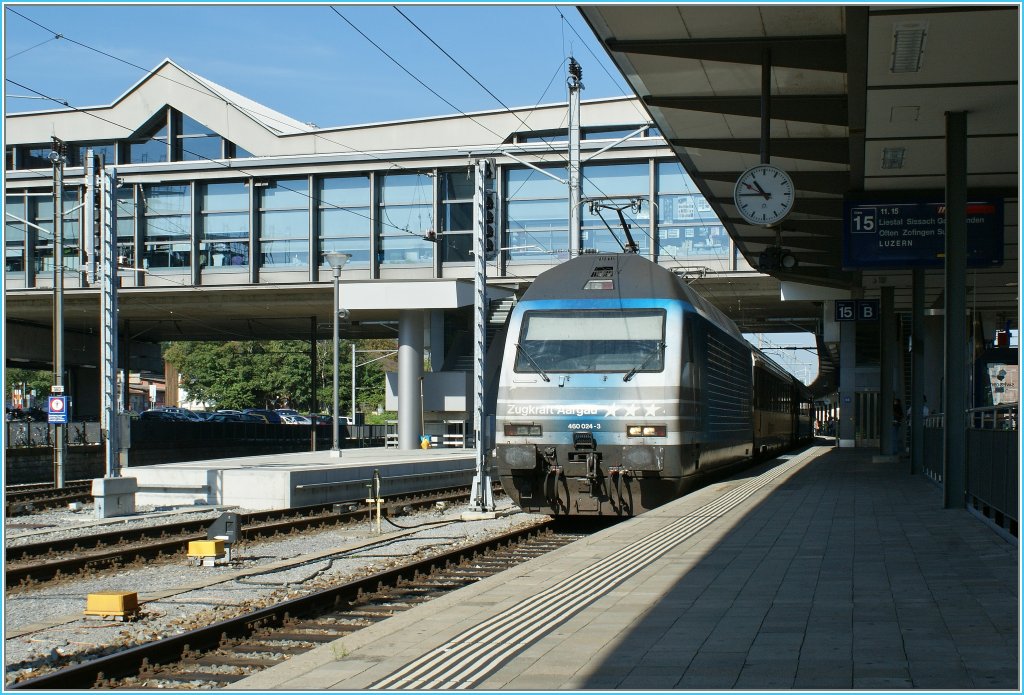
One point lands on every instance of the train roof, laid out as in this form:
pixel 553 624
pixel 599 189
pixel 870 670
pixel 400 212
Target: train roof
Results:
pixel 624 276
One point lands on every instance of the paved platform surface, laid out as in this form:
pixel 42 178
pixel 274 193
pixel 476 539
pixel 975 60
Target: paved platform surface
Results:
pixel 821 570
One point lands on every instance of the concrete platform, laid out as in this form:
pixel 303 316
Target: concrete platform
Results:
pixel 276 481
pixel 822 570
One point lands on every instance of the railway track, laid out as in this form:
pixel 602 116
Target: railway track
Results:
pixel 218 655
pixel 30 564
pixel 25 499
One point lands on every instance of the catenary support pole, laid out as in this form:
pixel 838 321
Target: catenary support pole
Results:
pixel 58 156
pixel 481 497
pixel 108 284
pixel 575 82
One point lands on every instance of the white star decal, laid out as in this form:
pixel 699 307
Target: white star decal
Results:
pixel 651 410
pixel 631 410
pixel 611 410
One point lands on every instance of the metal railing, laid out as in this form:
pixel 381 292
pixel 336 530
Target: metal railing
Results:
pixel 36 434
pixel 993 460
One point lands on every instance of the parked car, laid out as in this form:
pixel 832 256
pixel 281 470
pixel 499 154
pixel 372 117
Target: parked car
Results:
pixel 163 415
pixel 293 417
pixel 184 413
pixel 268 416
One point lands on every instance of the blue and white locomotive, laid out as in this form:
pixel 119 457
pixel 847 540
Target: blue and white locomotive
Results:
pixel 620 386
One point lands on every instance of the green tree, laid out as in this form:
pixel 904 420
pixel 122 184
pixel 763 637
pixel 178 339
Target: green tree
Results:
pixel 276 373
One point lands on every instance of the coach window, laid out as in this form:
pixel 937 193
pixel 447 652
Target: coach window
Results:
pixel 344 203
pixel 537 214
pixel 612 186
pixel 406 220
pixel 457 190
pixel 687 226
pixel 284 223
pixel 224 226
pixel 14 234
pixel 166 225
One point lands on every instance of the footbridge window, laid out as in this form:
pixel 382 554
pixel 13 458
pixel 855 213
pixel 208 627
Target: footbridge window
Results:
pixel 601 226
pixel 224 226
pixel 345 220
pixel 284 224
pixel 167 223
pixel 687 226
pixel 406 220
pixel 456 241
pixel 537 214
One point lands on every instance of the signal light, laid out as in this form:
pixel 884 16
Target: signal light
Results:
pixel 490 227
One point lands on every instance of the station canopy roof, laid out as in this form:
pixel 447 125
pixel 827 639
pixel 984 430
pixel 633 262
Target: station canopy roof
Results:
pixel 859 96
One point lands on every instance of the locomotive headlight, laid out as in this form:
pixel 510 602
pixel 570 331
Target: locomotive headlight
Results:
pixel 645 430
pixel 522 430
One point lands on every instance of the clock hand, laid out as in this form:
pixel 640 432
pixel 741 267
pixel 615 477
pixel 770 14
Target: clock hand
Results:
pixel 761 190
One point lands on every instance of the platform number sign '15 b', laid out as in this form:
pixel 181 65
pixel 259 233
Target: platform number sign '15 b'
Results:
pixel 857 310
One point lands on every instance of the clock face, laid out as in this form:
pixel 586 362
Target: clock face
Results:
pixel 763 194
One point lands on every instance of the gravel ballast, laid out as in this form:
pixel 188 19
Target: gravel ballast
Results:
pixel 45 625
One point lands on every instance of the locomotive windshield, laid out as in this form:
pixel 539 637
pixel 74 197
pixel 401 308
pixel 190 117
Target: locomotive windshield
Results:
pixel 592 340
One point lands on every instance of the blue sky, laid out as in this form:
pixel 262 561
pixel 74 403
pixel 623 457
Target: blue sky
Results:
pixel 305 60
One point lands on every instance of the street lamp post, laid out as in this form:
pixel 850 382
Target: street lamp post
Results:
pixel 337 261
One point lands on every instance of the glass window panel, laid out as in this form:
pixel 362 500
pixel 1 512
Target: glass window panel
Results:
pixel 167 227
pixel 603 240
pixel 167 255
pixel 14 231
pixel 608 134
pixel 538 214
pixel 406 220
pixel 190 126
pixel 345 222
pixel 456 247
pixel 126 202
pixel 225 196
pixel 457 185
pixel 345 191
pixel 615 179
pixel 107 151
pixel 551 137
pixel 288 194
pixel 405 249
pixel 200 148
pixel 358 247
pixel 233 225
pixel 148 151
pixel 225 255
pixel 672 178
pixel 457 217
pixel 284 224
pixel 292 253
pixel 397 189
pixel 35 157
pixel 161 199
pixel 529 183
